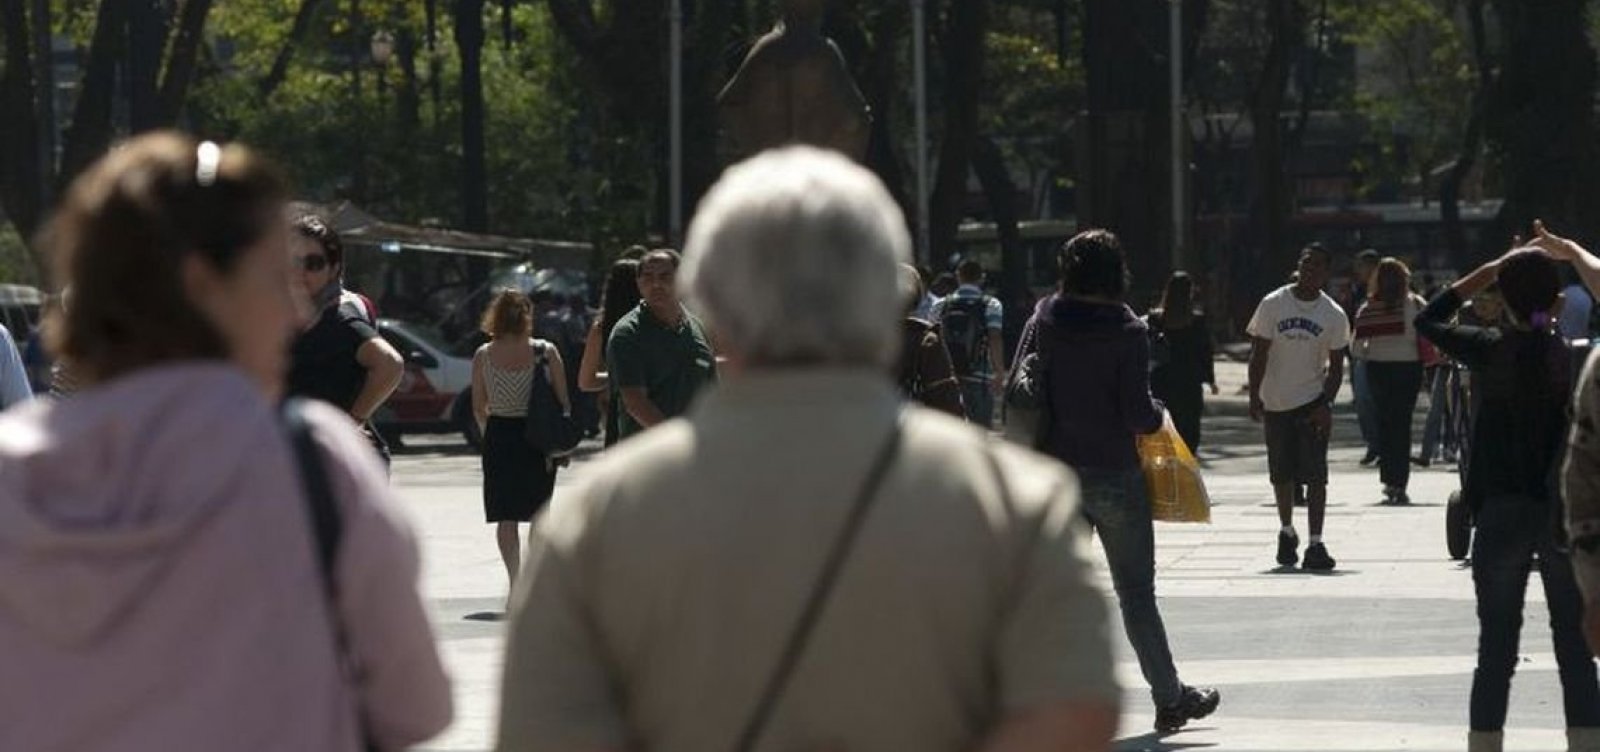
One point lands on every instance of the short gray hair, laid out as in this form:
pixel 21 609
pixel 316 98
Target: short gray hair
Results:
pixel 794 259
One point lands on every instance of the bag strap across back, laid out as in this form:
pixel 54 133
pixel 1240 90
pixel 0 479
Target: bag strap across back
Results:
pixel 817 600
pixel 327 527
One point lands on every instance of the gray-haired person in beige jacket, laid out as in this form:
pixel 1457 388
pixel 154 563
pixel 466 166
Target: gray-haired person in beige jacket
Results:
pixel 658 599
pixel 1580 476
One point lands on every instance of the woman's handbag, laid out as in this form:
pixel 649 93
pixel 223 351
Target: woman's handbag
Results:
pixel 1172 477
pixel 549 428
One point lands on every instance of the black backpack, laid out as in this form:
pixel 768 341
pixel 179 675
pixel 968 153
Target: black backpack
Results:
pixel 966 332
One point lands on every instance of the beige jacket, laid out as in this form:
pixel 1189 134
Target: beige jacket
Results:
pixel 657 599
pixel 1580 479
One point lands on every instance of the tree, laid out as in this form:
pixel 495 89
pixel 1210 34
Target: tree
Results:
pixel 1540 119
pixel 158 43
pixel 963 33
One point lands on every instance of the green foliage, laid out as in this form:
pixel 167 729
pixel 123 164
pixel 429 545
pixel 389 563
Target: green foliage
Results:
pixel 16 266
pixel 1415 86
pixel 549 175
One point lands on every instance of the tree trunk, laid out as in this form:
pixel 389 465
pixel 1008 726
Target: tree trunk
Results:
pixel 990 165
pixel 186 44
pixel 469 34
pixel 21 181
pixel 147 36
pixel 91 130
pixel 1472 142
pixel 1541 120
pixel 965 28
pixel 297 34
pixel 409 98
pixel 1271 207
pixel 1123 152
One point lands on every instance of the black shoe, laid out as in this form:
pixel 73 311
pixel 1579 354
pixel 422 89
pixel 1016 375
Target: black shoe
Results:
pixel 1395 496
pixel 1421 461
pixel 1196 703
pixel 1317 558
pixel 1369 460
pixel 1287 549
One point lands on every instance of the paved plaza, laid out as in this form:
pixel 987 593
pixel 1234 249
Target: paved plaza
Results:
pixel 1377 655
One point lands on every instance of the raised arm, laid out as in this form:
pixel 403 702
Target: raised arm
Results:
pixel 1563 249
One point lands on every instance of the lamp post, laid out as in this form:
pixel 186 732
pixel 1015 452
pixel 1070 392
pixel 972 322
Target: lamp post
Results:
pixel 919 61
pixel 1177 126
pixel 382 48
pixel 675 170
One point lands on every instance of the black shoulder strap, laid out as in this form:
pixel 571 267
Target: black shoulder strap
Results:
pixel 327 525
pixel 327 528
pixel 818 599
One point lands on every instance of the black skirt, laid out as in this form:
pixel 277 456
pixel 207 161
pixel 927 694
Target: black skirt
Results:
pixel 517 480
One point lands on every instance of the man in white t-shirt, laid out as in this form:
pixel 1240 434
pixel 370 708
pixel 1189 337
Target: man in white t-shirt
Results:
pixel 1301 338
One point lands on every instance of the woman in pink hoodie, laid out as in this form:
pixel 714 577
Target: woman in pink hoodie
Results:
pixel 159 584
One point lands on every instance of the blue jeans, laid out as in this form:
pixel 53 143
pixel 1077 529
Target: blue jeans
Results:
pixel 1366 406
pixel 978 397
pixel 1514 535
pixel 1117 507
pixel 1436 429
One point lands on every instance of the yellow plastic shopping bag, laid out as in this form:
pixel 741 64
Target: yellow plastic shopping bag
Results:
pixel 1172 475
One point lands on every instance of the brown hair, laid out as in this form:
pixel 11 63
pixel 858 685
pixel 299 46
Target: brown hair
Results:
pixel 509 313
pixel 119 239
pixel 1390 283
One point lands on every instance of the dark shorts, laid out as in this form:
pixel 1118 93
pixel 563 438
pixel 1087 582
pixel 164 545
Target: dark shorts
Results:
pixel 1295 453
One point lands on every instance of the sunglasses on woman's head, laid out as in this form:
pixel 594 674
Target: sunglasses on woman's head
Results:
pixel 314 263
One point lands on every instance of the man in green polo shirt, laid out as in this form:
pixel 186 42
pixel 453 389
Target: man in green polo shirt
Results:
pixel 658 354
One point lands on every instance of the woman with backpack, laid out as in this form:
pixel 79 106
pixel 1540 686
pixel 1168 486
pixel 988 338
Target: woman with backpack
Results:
pixel 1522 372
pixel 170 576
pixel 518 479
pixel 1181 357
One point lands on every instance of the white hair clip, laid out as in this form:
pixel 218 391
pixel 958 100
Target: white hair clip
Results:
pixel 208 162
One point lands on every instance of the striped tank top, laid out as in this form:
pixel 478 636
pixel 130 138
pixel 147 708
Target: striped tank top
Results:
pixel 508 389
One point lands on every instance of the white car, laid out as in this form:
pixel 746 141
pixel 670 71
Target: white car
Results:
pixel 435 394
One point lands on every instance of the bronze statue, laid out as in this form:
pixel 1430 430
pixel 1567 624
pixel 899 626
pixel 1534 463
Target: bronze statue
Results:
pixel 794 87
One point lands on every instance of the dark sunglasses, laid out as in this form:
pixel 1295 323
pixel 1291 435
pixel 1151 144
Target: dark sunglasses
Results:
pixel 316 262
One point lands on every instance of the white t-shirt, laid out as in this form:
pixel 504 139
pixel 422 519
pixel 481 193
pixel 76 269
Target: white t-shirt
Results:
pixel 1302 335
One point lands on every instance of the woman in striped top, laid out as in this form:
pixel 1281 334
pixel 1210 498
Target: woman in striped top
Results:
pixel 517 479
pixel 1386 340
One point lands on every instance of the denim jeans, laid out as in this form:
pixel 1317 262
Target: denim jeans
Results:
pixel 1366 407
pixel 978 397
pixel 1514 535
pixel 1117 507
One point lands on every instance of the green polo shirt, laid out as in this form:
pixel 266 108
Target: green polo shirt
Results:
pixel 672 364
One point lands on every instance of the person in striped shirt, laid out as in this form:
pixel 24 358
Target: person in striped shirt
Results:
pixel 1386 340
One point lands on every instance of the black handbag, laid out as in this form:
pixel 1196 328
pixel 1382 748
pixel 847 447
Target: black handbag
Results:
pixel 549 428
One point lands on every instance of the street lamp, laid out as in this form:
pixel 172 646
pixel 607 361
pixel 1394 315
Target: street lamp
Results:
pixel 919 54
pixel 382 47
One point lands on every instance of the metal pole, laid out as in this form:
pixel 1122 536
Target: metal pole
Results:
pixel 1175 58
pixel 919 52
pixel 675 51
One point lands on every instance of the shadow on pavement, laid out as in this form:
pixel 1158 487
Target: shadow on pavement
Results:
pixel 485 616
pixel 1283 571
pixel 1158 742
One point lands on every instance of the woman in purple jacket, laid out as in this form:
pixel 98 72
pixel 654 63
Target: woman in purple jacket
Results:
pixel 1096 358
